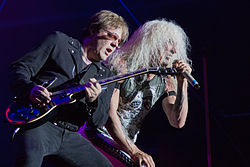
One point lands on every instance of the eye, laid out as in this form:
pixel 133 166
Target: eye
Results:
pixel 112 36
pixel 119 42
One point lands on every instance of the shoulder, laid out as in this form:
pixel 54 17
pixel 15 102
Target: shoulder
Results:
pixel 59 34
pixel 60 37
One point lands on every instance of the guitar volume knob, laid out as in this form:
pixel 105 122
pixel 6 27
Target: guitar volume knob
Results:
pixel 26 118
pixel 21 116
pixel 31 112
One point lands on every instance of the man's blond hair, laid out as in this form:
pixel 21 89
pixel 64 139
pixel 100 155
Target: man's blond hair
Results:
pixel 106 19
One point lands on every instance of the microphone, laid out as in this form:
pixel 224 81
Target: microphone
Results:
pixel 191 80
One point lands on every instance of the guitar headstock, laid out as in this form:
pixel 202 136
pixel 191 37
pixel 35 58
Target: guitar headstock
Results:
pixel 162 71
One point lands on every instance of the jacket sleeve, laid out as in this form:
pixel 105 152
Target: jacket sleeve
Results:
pixel 26 68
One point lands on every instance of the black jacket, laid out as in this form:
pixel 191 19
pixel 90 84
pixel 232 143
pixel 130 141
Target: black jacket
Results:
pixel 60 56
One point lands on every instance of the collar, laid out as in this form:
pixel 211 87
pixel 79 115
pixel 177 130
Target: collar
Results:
pixel 98 64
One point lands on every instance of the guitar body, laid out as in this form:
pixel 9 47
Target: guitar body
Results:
pixel 22 115
pixel 31 115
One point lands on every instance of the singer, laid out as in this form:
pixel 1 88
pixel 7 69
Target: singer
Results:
pixel 157 43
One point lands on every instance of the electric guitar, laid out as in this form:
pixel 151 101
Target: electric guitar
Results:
pixel 29 114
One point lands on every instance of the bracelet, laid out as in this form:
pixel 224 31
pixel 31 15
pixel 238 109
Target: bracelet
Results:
pixel 172 93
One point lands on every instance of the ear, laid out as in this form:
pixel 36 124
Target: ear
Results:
pixel 92 30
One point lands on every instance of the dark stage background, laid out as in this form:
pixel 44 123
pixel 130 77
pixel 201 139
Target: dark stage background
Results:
pixel 219 35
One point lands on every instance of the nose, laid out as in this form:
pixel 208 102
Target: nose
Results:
pixel 114 44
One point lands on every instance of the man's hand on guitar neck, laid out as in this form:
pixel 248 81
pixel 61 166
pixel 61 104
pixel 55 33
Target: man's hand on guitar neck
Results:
pixel 40 95
pixel 93 91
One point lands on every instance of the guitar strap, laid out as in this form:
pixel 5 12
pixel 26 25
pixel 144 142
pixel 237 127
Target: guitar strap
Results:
pixel 80 78
pixel 87 73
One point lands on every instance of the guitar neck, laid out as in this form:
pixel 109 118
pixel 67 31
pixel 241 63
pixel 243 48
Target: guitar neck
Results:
pixel 122 77
pixel 157 70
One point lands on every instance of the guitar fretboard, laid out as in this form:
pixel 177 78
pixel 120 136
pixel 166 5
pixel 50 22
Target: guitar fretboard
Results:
pixel 156 70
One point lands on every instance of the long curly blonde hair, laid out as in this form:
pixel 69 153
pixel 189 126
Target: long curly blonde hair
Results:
pixel 147 43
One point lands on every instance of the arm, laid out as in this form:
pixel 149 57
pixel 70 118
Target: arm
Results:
pixel 115 129
pixel 176 107
pixel 26 68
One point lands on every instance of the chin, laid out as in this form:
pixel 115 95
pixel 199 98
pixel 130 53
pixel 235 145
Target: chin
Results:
pixel 103 58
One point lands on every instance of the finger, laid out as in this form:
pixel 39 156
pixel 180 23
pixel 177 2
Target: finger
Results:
pixel 93 80
pixel 93 90
pixel 174 64
pixel 96 89
pixel 42 93
pixel 95 84
pixel 34 97
pixel 98 86
pixel 177 61
pixel 90 95
pixel 87 91
pixel 186 68
pixel 151 161
pixel 37 100
pixel 182 67
pixel 145 163
pixel 41 102
pixel 180 64
pixel 140 162
pixel 44 98
pixel 45 92
pixel 189 69
pixel 93 87
pixel 45 95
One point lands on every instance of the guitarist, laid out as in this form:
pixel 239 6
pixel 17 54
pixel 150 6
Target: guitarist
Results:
pixel 66 59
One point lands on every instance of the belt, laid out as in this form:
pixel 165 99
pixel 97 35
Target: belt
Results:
pixel 67 125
